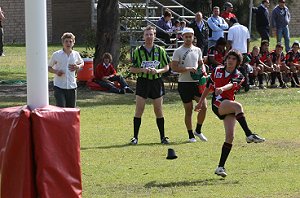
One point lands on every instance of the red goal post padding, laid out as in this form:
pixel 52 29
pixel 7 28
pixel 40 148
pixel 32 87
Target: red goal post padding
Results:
pixel 16 156
pixel 56 135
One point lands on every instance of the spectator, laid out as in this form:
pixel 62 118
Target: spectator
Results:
pixel 216 25
pixel 186 60
pixel 1 32
pixel 279 66
pixel 176 29
pixel 182 25
pixel 225 81
pixel 239 39
pixel 165 23
pixel 227 14
pixel 149 63
pixel 280 23
pixel 64 64
pixel 263 19
pixel 292 60
pixel 216 54
pixel 200 28
pixel 106 76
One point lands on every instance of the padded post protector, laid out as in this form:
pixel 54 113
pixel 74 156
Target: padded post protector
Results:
pixel 56 136
pixel 16 154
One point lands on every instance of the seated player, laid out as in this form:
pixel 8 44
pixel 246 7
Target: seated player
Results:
pixel 292 61
pixel 106 75
pixel 279 66
pixel 257 66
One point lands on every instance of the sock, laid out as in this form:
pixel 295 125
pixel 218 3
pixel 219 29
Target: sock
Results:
pixel 251 79
pixel 279 76
pixel 226 148
pixel 160 122
pixel 242 120
pixel 295 76
pixel 198 128
pixel 260 78
pixel 273 78
pixel 136 126
pixel 191 135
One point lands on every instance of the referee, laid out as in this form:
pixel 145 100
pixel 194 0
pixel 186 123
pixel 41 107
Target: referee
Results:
pixel 149 63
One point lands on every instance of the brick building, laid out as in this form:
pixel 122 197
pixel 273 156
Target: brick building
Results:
pixel 62 16
pixel 77 16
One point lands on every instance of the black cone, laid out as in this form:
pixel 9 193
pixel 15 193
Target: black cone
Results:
pixel 171 154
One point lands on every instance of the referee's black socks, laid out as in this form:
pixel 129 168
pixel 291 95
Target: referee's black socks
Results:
pixel 160 122
pixel 136 126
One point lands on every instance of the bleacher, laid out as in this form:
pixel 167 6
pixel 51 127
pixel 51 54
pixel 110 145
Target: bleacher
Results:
pixel 148 12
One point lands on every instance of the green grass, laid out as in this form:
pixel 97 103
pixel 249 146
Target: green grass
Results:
pixel 112 168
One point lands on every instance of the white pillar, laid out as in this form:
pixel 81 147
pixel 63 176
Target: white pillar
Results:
pixel 250 16
pixel 36 53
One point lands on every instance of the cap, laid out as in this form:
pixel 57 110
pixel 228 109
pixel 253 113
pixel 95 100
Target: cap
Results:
pixel 187 30
pixel 296 43
pixel 281 1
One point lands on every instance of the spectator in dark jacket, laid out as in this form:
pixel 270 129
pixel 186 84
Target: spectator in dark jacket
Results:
pixel 262 20
pixel 280 23
pixel 200 28
pixel 165 23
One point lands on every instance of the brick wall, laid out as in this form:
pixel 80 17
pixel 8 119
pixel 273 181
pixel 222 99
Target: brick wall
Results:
pixel 71 16
pixel 14 24
pixel 295 21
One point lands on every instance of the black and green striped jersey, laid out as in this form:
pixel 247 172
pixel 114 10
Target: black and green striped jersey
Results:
pixel 156 58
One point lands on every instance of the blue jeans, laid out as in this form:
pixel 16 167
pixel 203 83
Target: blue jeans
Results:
pixel 286 35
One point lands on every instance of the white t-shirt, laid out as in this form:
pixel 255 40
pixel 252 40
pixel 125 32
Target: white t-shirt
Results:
pixel 60 61
pixel 239 34
pixel 187 57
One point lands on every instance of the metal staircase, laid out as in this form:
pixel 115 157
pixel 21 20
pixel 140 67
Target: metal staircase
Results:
pixel 137 14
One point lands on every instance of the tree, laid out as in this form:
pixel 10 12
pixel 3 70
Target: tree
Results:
pixel 108 33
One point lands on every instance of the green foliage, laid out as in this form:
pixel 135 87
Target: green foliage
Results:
pixel 89 43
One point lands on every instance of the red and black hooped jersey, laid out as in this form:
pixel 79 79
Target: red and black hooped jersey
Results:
pixel 219 78
pixel 219 55
pixel 253 59
pixel 277 58
pixel 292 57
pixel 264 56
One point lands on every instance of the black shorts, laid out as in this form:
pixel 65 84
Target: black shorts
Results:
pixel 150 88
pixel 188 91
pixel 215 108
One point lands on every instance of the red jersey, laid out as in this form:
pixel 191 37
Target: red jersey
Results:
pixel 219 78
pixel 253 59
pixel 227 15
pixel 277 58
pixel 264 56
pixel 102 70
pixel 292 57
pixel 219 55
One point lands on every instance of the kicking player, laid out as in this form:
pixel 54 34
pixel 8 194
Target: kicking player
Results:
pixel 226 81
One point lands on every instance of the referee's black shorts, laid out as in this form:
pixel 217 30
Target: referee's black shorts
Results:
pixel 188 91
pixel 150 88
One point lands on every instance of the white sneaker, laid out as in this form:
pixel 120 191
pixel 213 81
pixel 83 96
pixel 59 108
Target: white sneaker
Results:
pixel 201 136
pixel 220 171
pixel 254 138
pixel 192 140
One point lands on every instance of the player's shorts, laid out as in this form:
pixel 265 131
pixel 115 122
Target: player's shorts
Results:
pixel 215 107
pixel 188 91
pixel 150 88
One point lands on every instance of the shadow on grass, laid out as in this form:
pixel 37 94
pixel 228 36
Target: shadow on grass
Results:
pixel 205 182
pixel 128 144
